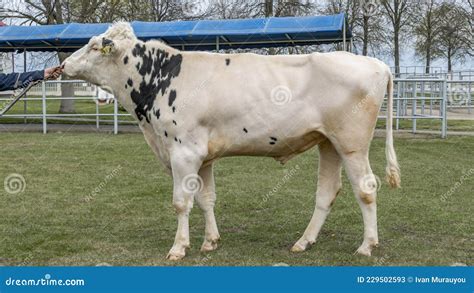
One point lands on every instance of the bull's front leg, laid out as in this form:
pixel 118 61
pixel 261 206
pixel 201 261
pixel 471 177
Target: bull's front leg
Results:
pixel 185 166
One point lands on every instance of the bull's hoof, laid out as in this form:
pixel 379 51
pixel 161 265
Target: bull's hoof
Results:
pixel 366 249
pixel 176 253
pixel 209 245
pixel 301 245
pixel 174 257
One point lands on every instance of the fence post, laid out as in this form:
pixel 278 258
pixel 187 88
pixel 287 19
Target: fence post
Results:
pixel 115 116
pixel 413 110
pixel 444 123
pixel 397 121
pixel 433 88
pixel 96 114
pixel 422 98
pixel 469 98
pixel 43 100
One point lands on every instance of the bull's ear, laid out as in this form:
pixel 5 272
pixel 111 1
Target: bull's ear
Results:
pixel 108 46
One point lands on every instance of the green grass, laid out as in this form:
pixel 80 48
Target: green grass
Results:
pixel 131 220
pixel 431 124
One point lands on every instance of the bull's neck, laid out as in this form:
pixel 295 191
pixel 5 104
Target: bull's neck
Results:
pixel 147 70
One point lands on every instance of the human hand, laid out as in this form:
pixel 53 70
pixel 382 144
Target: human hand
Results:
pixel 53 72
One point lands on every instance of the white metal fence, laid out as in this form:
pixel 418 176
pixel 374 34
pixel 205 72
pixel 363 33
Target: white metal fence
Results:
pixel 419 99
pixel 81 88
pixel 414 99
pixel 48 91
pixel 434 72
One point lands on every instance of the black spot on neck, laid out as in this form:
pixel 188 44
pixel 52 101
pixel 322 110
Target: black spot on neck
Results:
pixel 273 138
pixel 157 114
pixel 171 98
pixel 227 61
pixel 166 133
pixel 174 109
pixel 138 50
pixel 160 68
pixel 245 130
pixel 174 122
pixel 130 82
pixel 175 139
pixel 125 59
pixel 272 142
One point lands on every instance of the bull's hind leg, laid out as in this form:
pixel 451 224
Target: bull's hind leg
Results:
pixel 364 184
pixel 329 184
pixel 206 200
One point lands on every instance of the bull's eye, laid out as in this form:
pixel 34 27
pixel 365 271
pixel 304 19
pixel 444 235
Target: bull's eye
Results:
pixel 94 48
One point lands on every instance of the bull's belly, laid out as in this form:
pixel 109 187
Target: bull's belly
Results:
pixel 283 149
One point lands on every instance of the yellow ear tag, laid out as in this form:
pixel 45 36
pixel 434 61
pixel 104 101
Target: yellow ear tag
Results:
pixel 106 50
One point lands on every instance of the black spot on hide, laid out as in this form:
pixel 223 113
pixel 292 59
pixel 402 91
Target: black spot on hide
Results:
pixel 159 69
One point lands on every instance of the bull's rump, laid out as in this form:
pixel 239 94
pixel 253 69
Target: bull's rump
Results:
pixel 296 99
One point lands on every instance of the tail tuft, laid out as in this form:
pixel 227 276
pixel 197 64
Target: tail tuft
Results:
pixel 393 176
pixel 392 170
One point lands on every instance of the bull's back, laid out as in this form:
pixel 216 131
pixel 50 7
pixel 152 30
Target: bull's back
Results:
pixel 277 88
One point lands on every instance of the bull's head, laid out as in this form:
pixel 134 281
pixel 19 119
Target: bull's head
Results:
pixel 97 61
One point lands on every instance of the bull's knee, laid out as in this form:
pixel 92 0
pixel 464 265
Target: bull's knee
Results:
pixel 182 206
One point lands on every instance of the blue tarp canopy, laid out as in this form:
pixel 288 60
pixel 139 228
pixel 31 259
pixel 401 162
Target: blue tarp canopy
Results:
pixel 186 35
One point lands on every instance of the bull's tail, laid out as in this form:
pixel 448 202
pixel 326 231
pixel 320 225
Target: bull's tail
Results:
pixel 392 170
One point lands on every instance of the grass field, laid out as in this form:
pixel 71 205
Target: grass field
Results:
pixel 96 198
pixel 432 124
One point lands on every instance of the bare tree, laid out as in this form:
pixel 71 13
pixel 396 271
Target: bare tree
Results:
pixel 369 28
pixel 350 8
pixel 467 10
pixel 231 9
pixel 399 15
pixel 427 30
pixel 363 19
pixel 455 38
pixel 268 8
pixel 280 8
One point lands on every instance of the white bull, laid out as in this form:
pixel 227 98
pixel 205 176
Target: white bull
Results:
pixel 196 107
